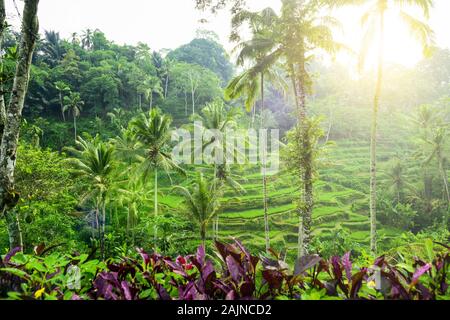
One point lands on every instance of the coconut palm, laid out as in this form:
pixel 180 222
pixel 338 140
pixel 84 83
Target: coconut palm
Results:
pixel 73 104
pixel 51 47
pixel 293 38
pixel 216 116
pixel 251 81
pixel 117 117
pixel 87 39
pixel 373 20
pixel 93 160
pixel 396 180
pixel 133 197
pixel 201 203
pixel 439 153
pixel 153 132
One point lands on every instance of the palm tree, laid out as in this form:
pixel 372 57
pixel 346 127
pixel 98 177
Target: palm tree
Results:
pixel 62 88
pixel 425 120
pixel 216 116
pixel 74 105
pixel 396 180
pixel 374 22
pixel 52 49
pixel 439 153
pixel 202 203
pixel 94 161
pixel 117 117
pixel 250 82
pixel 292 39
pixel 153 132
pixel 133 196
pixel 86 39
pixel 166 70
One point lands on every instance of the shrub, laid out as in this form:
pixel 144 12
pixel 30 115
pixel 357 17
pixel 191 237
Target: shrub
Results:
pixel 235 274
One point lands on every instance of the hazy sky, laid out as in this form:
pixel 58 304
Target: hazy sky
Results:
pixel 171 23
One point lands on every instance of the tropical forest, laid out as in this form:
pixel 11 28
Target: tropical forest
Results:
pixel 281 156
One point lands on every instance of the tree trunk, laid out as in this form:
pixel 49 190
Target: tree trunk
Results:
pixel 14 231
pixel 373 144
pixel 75 126
pixel 330 126
pixel 263 165
pixel 61 103
pixel 301 245
pixel 216 218
pixel 151 101
pixel 3 27
pixel 155 200
pixel 306 161
pixel 185 104
pixel 166 88
pixel 253 117
pixel 193 101
pixel 10 137
pixel 444 179
pixel 103 228
pixel 203 233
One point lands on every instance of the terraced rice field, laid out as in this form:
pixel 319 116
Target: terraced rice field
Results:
pixel 341 202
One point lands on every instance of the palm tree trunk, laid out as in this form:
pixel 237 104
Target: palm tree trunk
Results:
pixel 330 126
pixel 373 143
pixel 103 228
pixel 447 191
pixel 75 126
pixel 151 101
pixel 155 200
pixel 306 161
pixel 253 117
pixel 263 165
pixel 301 244
pixel 185 104
pixel 203 234
pixel 62 106
pixel 193 101
pixel 216 219
pixel 14 230
pixel 166 87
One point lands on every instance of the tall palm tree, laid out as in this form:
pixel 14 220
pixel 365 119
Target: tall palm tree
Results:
pixel 51 47
pixel 133 196
pixel 202 203
pixel 374 21
pixel 73 104
pixel 153 132
pixel 62 88
pixel 251 81
pixel 426 119
pixel 396 180
pixel 294 36
pixel 94 161
pixel 216 116
pixel 439 153
pixel 87 38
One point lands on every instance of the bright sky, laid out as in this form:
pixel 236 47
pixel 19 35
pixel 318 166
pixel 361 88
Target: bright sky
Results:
pixel 171 23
